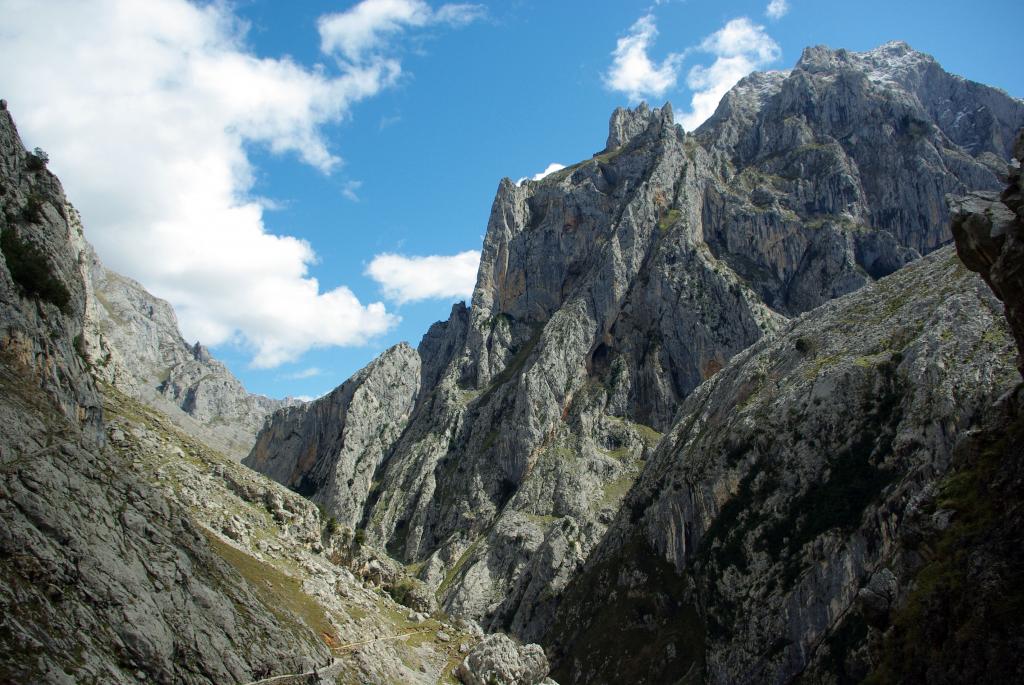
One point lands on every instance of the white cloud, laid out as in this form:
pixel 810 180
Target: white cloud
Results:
pixel 632 72
pixel 409 279
pixel 311 372
pixel 360 31
pixel 349 190
pixel 739 48
pixel 549 169
pixel 777 9
pixel 146 110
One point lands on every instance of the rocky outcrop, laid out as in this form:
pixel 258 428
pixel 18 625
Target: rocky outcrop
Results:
pixel 131 551
pixel 610 290
pixel 952 612
pixel 133 342
pixel 101 577
pixel 786 486
pixel 989 233
pixel 836 173
pixel 42 289
pixel 498 660
pixel 332 448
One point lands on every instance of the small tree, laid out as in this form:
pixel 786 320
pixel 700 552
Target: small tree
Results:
pixel 37 160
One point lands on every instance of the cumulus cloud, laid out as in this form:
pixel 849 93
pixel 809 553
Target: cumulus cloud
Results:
pixel 409 279
pixel 361 30
pixel 777 9
pixel 147 110
pixel 633 72
pixel 739 48
pixel 549 169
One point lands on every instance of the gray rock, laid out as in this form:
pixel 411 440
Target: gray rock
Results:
pixel 785 480
pixel 498 660
pixel 151 558
pixel 610 291
pixel 133 342
pixel 332 448
pixel 989 234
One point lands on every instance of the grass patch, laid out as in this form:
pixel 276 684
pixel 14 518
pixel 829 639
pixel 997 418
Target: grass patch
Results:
pixel 32 272
pixel 281 594
pixel 613 492
pixel 671 216
pixel 457 567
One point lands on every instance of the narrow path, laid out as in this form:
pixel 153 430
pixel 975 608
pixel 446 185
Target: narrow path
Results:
pixel 380 639
pixel 331 671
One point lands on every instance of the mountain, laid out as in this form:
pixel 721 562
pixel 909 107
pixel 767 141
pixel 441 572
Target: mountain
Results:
pixel 726 407
pixel 137 347
pixel 131 550
pixel 613 296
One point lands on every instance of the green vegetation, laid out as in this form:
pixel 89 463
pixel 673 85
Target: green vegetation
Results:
pixel 607 157
pixel 36 160
pixel 280 593
pixel 846 638
pixel 948 613
pixel 403 592
pixel 727 529
pixel 671 216
pixel 457 567
pixel 614 491
pixel 32 212
pixel 655 628
pixel 32 271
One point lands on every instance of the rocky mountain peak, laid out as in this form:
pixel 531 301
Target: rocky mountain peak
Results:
pixel 626 124
pixel 886 62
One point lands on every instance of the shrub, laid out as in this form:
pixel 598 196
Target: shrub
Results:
pixel 37 160
pixel 32 272
pixel 32 212
pixel 79 343
pixel 404 592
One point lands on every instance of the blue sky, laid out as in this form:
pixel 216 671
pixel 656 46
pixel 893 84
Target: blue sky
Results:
pixel 246 121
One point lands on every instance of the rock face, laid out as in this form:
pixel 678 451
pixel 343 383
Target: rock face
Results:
pixel 135 345
pixel 952 611
pixel 786 486
pixel 498 660
pixel 610 290
pixel 131 551
pixel 989 233
pixel 101 578
pixel 836 173
pixel 331 448
pixel 42 289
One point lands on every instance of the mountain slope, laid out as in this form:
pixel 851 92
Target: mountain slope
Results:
pixel 132 552
pixel 610 290
pixel 101 578
pixel 788 484
pixel 134 341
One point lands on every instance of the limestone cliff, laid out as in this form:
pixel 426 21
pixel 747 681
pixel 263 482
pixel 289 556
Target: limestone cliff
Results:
pixel 786 485
pixel 134 342
pixel 132 552
pixel 610 290
pixel 101 577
